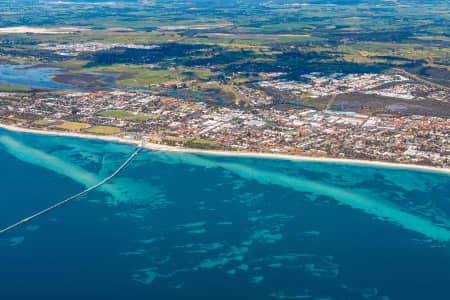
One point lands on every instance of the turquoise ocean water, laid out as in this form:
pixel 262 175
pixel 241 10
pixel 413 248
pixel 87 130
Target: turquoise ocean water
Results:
pixel 190 226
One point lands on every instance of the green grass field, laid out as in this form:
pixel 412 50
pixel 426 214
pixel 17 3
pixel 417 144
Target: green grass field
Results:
pixel 72 126
pixel 104 130
pixel 124 115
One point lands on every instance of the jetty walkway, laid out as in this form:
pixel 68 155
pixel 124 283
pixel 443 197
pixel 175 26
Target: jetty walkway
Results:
pixel 74 196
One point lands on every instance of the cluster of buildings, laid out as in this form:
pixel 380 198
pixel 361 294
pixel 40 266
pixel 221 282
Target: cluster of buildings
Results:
pixel 253 96
pixel 70 49
pixel 412 91
pixel 318 84
pixel 175 121
pixel 395 86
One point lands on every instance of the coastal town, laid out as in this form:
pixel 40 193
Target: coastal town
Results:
pixel 395 86
pixel 72 49
pixel 225 149
pixel 169 119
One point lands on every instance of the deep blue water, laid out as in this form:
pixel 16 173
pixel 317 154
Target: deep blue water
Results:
pixel 189 226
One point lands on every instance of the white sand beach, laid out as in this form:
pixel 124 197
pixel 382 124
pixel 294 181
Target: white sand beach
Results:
pixel 158 147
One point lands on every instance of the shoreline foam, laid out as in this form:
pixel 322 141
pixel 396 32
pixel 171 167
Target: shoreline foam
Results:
pixel 158 147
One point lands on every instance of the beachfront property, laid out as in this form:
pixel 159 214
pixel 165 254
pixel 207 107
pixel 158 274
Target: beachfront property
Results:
pixel 187 123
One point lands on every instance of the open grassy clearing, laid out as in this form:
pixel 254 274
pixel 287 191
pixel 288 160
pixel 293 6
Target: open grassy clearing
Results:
pixel 407 51
pixel 104 130
pixel 143 76
pixel 124 115
pixel 72 126
pixel 10 88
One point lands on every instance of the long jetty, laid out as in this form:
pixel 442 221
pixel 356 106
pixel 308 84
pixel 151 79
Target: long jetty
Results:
pixel 9 228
